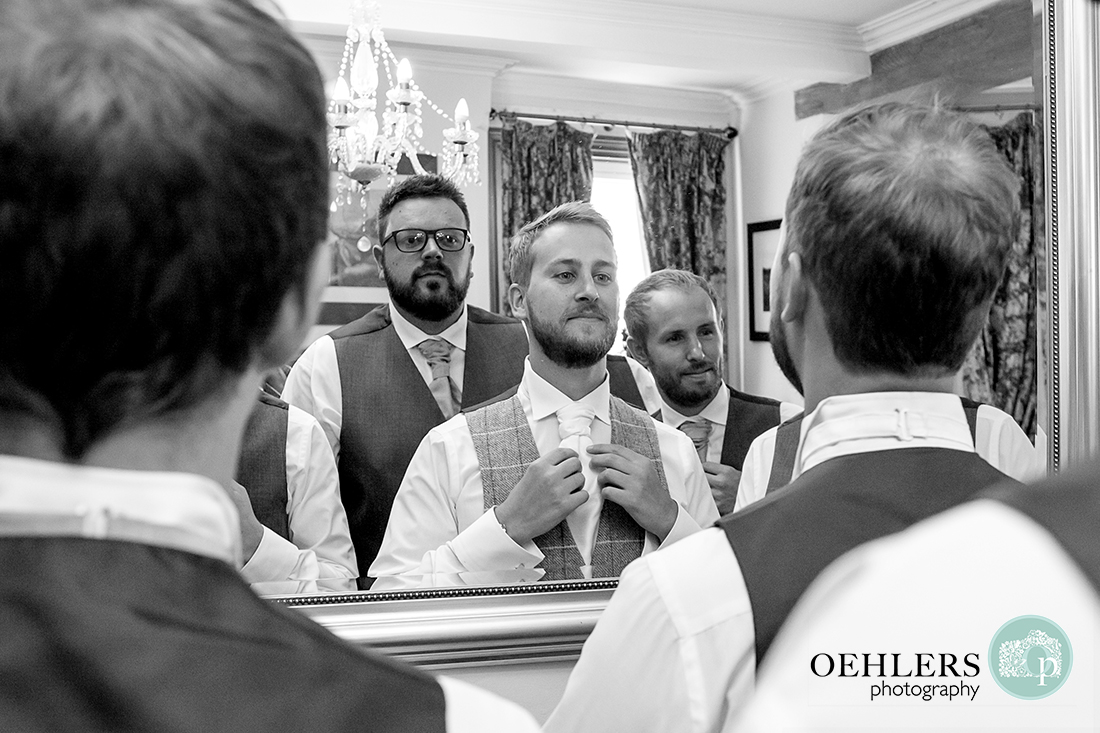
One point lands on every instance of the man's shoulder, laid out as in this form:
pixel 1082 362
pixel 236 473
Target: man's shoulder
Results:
pixel 752 399
pixel 484 318
pixel 373 321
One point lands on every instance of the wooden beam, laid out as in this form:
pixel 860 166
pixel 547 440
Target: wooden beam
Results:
pixel 990 48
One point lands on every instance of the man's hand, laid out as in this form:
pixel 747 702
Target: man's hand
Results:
pixel 723 482
pixel 251 529
pixel 630 480
pixel 549 491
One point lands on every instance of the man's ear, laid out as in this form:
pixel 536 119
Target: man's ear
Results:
pixel 379 257
pixel 796 289
pixel 298 313
pixel 517 300
pixel 637 351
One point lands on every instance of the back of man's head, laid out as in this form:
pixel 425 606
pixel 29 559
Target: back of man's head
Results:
pixel 163 185
pixel 904 217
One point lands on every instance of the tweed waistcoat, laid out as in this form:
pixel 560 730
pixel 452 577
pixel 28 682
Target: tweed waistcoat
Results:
pixel 834 507
pixel 261 469
pixel 505 447
pixel 388 409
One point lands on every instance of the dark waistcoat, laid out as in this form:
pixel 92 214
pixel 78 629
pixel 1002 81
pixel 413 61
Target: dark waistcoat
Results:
pixel 105 635
pixel 1067 506
pixel 261 468
pixel 783 541
pixel 388 409
pixel 748 417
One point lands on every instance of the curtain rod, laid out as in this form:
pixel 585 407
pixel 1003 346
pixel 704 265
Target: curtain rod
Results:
pixel 729 132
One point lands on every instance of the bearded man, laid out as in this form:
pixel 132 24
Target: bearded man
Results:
pixel 559 478
pixel 675 332
pixel 380 383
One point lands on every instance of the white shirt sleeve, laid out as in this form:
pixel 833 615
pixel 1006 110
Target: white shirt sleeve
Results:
pixel 945 585
pixel 473 710
pixel 687 484
pixel 440 506
pixel 319 555
pixel 757 469
pixel 313 385
pixel 673 651
pixel 1001 441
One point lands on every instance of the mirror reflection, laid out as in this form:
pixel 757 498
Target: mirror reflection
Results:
pixel 466 324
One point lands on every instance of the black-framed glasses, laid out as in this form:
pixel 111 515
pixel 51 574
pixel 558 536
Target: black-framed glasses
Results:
pixel 414 240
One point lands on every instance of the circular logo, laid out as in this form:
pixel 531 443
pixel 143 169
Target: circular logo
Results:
pixel 1030 657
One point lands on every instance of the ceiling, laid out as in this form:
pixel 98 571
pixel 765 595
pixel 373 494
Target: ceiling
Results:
pixel 743 49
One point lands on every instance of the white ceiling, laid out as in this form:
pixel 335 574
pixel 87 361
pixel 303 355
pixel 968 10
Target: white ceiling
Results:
pixel 742 49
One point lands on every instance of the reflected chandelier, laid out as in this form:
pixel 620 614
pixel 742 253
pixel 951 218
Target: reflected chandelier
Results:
pixel 360 147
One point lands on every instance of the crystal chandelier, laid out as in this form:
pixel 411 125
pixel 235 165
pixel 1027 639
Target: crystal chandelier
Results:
pixel 360 147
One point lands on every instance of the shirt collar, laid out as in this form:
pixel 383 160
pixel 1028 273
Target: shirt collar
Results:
pixel 716 411
pixel 410 335
pixel 882 420
pixel 546 399
pixel 175 510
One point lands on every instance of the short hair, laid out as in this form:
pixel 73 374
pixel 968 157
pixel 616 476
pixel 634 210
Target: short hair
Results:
pixel 163 188
pixel 520 261
pixel 428 186
pixel 904 217
pixel 636 312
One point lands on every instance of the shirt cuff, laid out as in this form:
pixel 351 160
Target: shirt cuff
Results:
pixel 685 526
pixel 275 559
pixel 484 545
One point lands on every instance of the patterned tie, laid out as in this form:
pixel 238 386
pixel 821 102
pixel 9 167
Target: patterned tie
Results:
pixel 445 391
pixel 575 431
pixel 699 430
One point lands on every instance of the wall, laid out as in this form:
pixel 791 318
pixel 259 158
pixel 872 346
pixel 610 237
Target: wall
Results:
pixel 770 143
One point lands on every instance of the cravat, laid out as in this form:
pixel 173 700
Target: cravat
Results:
pixel 699 430
pixel 445 391
pixel 575 431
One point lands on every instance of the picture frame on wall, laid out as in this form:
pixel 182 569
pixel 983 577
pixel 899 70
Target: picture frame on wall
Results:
pixel 763 241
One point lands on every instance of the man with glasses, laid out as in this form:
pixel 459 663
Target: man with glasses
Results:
pixel 380 383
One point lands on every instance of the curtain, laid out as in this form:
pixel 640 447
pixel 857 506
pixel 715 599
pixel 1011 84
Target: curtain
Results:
pixel 1001 369
pixel 542 166
pixel 680 179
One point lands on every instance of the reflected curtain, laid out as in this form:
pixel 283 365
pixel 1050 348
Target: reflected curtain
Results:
pixel 1001 369
pixel 542 166
pixel 680 179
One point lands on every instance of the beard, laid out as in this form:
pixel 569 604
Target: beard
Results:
pixel 687 395
pixel 438 302
pixel 569 350
pixel 782 352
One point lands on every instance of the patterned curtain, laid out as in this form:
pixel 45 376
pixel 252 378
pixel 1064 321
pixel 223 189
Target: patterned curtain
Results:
pixel 542 166
pixel 1001 369
pixel 680 180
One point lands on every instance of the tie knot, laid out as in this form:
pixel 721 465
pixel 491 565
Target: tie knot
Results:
pixel 698 430
pixel 438 354
pixel 575 419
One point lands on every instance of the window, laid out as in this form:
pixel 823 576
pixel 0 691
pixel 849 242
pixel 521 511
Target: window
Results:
pixel 614 196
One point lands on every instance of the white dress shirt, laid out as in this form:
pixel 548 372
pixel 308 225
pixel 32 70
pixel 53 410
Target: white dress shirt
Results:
pixel 319 556
pixel 182 512
pixel 676 647
pixel 314 382
pixel 716 412
pixel 439 525
pixel 946 585
pixel 997 438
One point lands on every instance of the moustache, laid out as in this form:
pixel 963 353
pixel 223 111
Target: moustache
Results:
pixel 432 269
pixel 708 367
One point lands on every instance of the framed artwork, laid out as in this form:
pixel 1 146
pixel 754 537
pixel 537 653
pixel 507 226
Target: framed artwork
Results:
pixel 763 243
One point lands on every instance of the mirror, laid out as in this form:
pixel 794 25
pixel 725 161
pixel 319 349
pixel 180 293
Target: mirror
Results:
pixel 772 70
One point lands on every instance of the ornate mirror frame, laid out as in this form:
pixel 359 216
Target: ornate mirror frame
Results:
pixel 546 624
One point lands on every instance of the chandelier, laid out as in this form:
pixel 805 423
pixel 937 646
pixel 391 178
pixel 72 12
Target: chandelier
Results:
pixel 363 146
